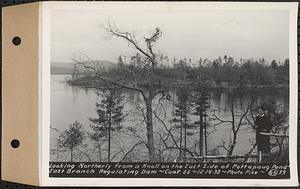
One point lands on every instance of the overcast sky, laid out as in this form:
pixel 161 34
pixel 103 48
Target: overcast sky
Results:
pixel 186 33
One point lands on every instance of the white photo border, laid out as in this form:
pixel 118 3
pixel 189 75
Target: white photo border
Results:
pixel 44 92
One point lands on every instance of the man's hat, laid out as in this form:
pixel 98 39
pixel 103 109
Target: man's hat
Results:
pixel 261 107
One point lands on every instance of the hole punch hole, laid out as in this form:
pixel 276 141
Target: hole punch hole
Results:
pixel 15 143
pixel 16 40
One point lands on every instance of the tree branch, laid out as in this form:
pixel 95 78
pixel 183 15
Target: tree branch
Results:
pixel 168 130
pixel 123 86
pixel 131 149
pixel 220 120
pixel 128 37
pixel 223 146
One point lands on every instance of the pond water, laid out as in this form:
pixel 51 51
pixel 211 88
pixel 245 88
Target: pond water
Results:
pixel 70 104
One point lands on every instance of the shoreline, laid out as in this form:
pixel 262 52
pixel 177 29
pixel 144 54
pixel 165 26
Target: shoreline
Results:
pixel 88 83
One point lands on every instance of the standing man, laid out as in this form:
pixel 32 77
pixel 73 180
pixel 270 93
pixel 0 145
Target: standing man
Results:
pixel 262 124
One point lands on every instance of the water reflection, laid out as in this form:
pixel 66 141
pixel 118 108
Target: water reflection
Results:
pixel 69 104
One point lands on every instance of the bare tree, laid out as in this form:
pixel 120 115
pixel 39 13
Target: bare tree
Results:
pixel 235 123
pixel 146 62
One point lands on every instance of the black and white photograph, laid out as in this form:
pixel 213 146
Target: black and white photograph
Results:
pixel 169 83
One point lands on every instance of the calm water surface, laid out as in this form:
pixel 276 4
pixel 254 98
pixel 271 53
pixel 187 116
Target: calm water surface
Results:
pixel 70 104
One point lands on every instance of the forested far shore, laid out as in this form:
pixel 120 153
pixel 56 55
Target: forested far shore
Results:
pixel 221 73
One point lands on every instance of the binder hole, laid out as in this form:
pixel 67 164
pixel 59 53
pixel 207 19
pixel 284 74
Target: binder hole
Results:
pixel 15 143
pixel 16 41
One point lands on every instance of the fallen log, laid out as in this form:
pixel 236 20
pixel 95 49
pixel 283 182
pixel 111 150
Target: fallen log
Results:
pixel 274 134
pixel 229 157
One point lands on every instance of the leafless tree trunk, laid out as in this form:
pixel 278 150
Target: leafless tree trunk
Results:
pixel 99 151
pixel 180 137
pixel 71 158
pixel 109 135
pixel 149 92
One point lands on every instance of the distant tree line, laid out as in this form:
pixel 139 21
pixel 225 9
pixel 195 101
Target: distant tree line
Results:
pixel 223 72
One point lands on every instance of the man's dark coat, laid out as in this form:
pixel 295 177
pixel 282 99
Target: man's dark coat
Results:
pixel 263 124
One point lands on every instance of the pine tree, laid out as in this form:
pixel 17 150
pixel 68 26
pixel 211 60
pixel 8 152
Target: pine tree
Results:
pixel 182 112
pixel 109 117
pixel 200 103
pixel 72 138
pixel 120 61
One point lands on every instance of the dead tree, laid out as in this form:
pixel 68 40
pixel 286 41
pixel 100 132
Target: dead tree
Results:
pixel 145 84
